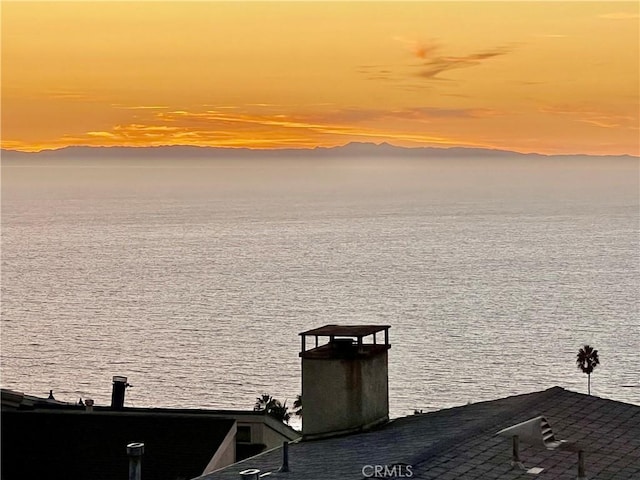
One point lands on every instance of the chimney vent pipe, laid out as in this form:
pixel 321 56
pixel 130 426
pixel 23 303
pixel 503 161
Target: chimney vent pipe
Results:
pixel 285 457
pixel 515 451
pixel 581 470
pixel 117 393
pixel 135 451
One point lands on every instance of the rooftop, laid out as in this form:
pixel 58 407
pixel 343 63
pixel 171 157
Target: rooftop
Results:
pixel 461 443
pixel 64 444
pixel 44 438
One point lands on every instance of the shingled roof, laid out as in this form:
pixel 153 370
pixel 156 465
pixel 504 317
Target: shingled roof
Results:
pixel 460 443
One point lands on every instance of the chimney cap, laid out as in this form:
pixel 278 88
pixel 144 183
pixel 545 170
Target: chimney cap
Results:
pixel 357 331
pixel 135 449
pixel 341 341
pixel 250 474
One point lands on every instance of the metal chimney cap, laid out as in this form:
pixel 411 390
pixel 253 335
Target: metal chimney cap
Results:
pixel 119 379
pixel 135 449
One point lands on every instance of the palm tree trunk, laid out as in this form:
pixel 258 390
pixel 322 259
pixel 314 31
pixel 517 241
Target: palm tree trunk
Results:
pixel 589 383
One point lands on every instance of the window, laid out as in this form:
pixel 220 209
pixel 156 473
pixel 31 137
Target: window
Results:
pixel 243 434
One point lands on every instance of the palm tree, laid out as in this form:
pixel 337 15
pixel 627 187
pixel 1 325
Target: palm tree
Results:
pixel 273 407
pixel 297 405
pixel 262 402
pixel 587 359
pixel 279 411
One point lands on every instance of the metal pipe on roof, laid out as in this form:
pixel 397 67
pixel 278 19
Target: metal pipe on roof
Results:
pixel 117 393
pixel 515 450
pixel 285 457
pixel 581 470
pixel 135 451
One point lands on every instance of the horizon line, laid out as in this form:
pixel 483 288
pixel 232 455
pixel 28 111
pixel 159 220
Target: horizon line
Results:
pixel 306 148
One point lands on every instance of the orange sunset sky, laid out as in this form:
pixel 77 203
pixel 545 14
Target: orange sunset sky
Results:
pixel 548 77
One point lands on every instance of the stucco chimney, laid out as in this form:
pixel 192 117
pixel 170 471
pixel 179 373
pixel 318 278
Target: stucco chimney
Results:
pixel 345 382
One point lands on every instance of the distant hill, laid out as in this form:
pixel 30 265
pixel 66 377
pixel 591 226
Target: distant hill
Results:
pixel 350 150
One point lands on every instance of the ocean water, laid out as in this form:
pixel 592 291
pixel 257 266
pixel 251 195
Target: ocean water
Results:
pixel 194 278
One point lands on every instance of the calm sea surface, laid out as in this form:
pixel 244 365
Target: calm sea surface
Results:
pixel 194 278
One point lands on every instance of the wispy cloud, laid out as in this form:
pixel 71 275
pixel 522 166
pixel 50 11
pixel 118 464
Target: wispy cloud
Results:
pixel 550 35
pixel 265 105
pixel 433 62
pixel 429 113
pixel 457 95
pixel 67 95
pixel 221 107
pixel 591 116
pixel 264 127
pixel 620 16
pixel 379 72
pixel 101 134
pixel 139 107
pixel 527 82
pixel 433 67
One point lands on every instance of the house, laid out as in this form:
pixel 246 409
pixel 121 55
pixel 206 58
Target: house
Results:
pixel 47 438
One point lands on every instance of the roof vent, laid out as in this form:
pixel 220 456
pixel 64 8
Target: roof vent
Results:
pixel 536 431
pixel 250 474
